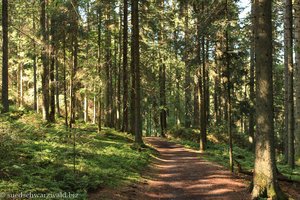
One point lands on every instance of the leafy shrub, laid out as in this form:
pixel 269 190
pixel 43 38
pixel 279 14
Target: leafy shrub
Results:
pixel 184 133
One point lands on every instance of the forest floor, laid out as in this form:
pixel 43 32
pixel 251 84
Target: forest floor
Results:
pixel 180 173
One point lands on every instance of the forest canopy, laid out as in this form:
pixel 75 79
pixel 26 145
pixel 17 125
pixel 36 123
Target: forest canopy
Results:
pixel 206 71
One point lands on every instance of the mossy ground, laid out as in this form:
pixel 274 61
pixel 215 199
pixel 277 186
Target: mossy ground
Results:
pixel 39 158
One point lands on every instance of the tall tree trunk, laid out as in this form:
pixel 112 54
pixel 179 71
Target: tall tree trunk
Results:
pixel 196 101
pixel 251 81
pixel 217 87
pixel 5 102
pixel 21 92
pixel 136 64
pixel 64 79
pixel 162 76
pixel 203 97
pixel 229 85
pixel 201 77
pixel 207 94
pixel 35 96
pixel 177 83
pixel 57 86
pixel 119 78
pixel 74 8
pixel 125 66
pixel 99 89
pixel 297 77
pixel 265 176
pixel 86 99
pixel 288 62
pixel 132 89
pixel 45 61
pixel 108 69
pixel 52 70
pixel 187 83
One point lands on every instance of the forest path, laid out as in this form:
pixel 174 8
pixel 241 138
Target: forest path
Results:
pixel 178 173
pixel 182 174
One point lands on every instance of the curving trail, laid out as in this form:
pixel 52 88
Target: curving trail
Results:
pixel 181 174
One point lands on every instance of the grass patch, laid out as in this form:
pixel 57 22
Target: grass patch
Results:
pixel 39 158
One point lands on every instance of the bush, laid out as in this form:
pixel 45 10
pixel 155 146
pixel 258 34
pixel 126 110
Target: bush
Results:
pixel 184 133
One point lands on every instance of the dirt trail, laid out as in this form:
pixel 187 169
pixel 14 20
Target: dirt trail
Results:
pixel 179 173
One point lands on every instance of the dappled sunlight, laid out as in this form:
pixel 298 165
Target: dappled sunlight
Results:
pixel 178 173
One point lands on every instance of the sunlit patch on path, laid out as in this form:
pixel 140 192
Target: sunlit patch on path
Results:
pixel 179 173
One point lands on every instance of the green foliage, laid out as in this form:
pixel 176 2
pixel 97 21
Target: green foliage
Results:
pixel 179 132
pixel 38 157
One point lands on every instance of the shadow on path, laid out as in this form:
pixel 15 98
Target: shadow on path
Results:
pixel 181 174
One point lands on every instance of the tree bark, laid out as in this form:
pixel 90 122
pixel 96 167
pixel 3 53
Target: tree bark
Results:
pixel 57 86
pixel 162 76
pixel 251 81
pixel 35 96
pixel 74 8
pixel 229 85
pixel 45 61
pixel 51 73
pixel 108 70
pixel 288 62
pixel 297 77
pixel 265 176
pixel 99 85
pixel 5 102
pixel 64 79
pixel 125 66
pixel 136 62
pixel 187 83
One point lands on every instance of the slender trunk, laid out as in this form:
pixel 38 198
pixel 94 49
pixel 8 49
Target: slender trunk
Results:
pixel 136 64
pixel 187 84
pixel 52 69
pixel 45 61
pixel 162 77
pixel 177 84
pixel 203 97
pixel 65 82
pixel 207 94
pixel 229 84
pixel 125 66
pixel 251 84
pixel 5 102
pixel 297 78
pixel 74 64
pixel 21 84
pixel 119 121
pixel 288 62
pixel 196 102
pixel 108 71
pixel 99 89
pixel 34 67
pixel 94 106
pixel 133 87
pixel 217 88
pixel 57 86
pixel 52 84
pixel 203 92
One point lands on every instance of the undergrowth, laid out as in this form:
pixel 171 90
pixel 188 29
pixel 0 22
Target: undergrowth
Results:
pixel 39 158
